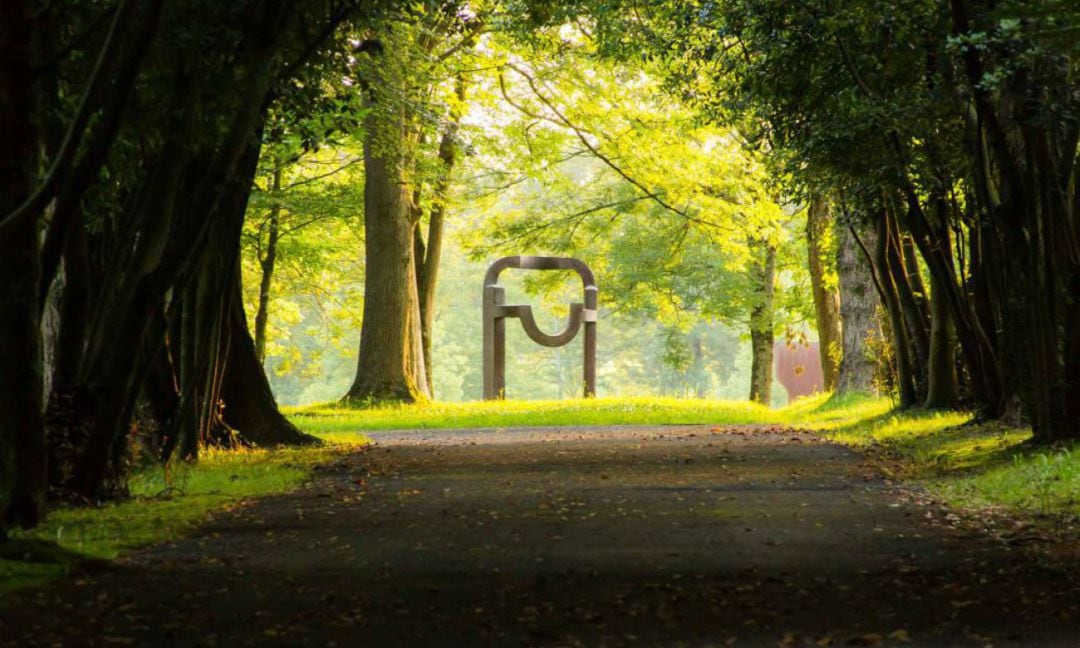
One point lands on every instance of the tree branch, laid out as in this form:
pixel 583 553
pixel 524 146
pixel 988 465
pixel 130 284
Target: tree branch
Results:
pixel 561 119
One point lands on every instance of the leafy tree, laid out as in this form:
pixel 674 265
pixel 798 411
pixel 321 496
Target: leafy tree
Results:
pixel 598 161
pixel 411 90
pixel 923 119
pixel 134 131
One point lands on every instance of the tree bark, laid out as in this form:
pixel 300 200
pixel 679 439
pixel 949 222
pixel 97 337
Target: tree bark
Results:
pixel 163 196
pixel 429 253
pixel 819 224
pixel 905 371
pixel 983 363
pixel 266 265
pixel 915 318
pixel 250 408
pixel 22 431
pixel 761 328
pixel 858 310
pixel 1072 357
pixel 391 363
pixel 942 387
pixel 1025 178
pixel 22 435
pixel 941 390
pixel 195 199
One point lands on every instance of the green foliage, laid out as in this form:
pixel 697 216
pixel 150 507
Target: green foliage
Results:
pixel 567 153
pixel 593 158
pixel 318 274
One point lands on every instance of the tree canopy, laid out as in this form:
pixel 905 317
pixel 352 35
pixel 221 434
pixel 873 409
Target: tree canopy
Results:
pixel 207 207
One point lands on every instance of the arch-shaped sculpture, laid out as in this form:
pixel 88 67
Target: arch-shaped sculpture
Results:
pixel 496 311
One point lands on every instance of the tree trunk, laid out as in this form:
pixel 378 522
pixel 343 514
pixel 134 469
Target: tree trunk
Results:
pixel 250 408
pixel 22 435
pixel 1072 360
pixel 941 390
pixel 984 367
pixel 266 265
pixel 22 431
pixel 915 318
pixel 429 253
pixel 391 364
pixel 699 375
pixel 905 372
pixel 858 310
pixel 761 328
pixel 942 387
pixel 196 200
pixel 819 226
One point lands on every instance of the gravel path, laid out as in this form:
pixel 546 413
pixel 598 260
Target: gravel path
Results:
pixel 685 535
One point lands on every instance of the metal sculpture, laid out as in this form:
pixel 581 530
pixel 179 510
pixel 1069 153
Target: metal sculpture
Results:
pixel 496 311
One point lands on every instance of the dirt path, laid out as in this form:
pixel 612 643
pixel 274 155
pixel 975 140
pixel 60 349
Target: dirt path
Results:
pixel 600 536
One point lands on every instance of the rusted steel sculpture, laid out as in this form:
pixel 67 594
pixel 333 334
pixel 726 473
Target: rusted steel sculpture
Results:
pixel 496 311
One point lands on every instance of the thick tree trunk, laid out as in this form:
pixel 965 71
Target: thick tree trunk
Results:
pixel 22 431
pixel 22 435
pixel 942 386
pixel 984 366
pixel 195 202
pixel 1072 359
pixel 1006 172
pixel 858 311
pixel 158 209
pixel 761 328
pixel 391 364
pixel 819 226
pixel 250 408
pixel 266 265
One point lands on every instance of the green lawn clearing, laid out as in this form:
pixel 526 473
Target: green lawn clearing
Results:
pixel 337 419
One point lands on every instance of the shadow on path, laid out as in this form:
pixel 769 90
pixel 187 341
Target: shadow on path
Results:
pixel 571 536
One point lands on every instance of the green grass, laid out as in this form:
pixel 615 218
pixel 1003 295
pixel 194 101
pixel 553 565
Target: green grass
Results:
pixel 335 419
pixel 968 465
pixel 162 506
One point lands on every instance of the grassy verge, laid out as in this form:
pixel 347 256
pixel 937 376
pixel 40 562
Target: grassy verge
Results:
pixel 335 419
pixel 162 506
pixel 972 466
